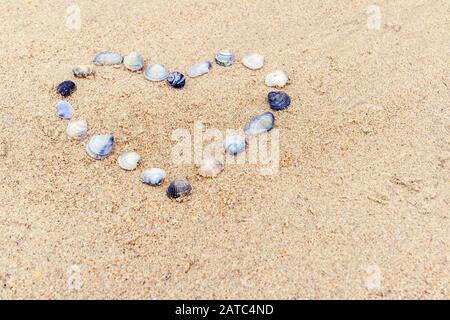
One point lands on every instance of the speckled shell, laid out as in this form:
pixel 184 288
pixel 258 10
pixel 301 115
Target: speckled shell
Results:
pixel 179 188
pixel 153 177
pixel 100 146
pixel 77 129
pixel 224 58
pixel 210 167
pixel 199 69
pixel 108 59
pixel 277 79
pixel 156 72
pixel 66 88
pixel 133 61
pixel 253 61
pixel 234 144
pixel 83 71
pixel 176 79
pixel 278 100
pixel 64 109
pixel 259 124
pixel 129 160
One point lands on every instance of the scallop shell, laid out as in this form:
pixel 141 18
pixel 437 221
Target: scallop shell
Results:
pixel 66 88
pixel 129 160
pixel 77 129
pixel 179 188
pixel 83 71
pixel 277 78
pixel 259 124
pixel 279 100
pixel 199 69
pixel 100 146
pixel 210 167
pixel 234 144
pixel 153 177
pixel 225 58
pixel 253 61
pixel 176 79
pixel 108 59
pixel 156 72
pixel 65 110
pixel 133 61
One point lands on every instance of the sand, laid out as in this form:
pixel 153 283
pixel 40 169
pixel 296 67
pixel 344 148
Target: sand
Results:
pixel 358 210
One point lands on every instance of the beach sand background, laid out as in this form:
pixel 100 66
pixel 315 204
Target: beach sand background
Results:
pixel 358 209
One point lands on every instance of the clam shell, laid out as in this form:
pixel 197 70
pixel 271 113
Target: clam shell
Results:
pixel 179 188
pixel 277 78
pixel 77 129
pixel 259 124
pixel 83 71
pixel 129 160
pixel 253 61
pixel 156 72
pixel 234 144
pixel 153 177
pixel 199 69
pixel 133 61
pixel 210 168
pixel 176 79
pixel 65 110
pixel 100 146
pixel 224 58
pixel 108 59
pixel 66 88
pixel 279 100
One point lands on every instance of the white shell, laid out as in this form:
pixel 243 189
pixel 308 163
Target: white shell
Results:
pixel 153 177
pixel 210 167
pixel 156 72
pixel 199 69
pixel 133 61
pixel 253 61
pixel 129 160
pixel 77 129
pixel 100 146
pixel 277 78
pixel 83 71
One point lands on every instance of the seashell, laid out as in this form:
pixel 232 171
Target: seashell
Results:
pixel 83 71
pixel 77 129
pixel 176 79
pixel 108 59
pixel 253 61
pixel 279 100
pixel 129 160
pixel 234 144
pixel 133 61
pixel 199 69
pixel 153 177
pixel 277 78
pixel 100 146
pixel 65 110
pixel 66 88
pixel 179 188
pixel 259 124
pixel 156 72
pixel 225 58
pixel 210 167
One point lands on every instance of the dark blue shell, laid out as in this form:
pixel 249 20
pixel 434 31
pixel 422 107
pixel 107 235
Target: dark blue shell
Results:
pixel 66 88
pixel 279 100
pixel 176 79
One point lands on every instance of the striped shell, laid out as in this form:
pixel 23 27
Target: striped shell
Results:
pixel 225 58
pixel 179 188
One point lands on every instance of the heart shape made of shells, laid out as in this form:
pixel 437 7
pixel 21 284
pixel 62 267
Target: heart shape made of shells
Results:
pixel 101 146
